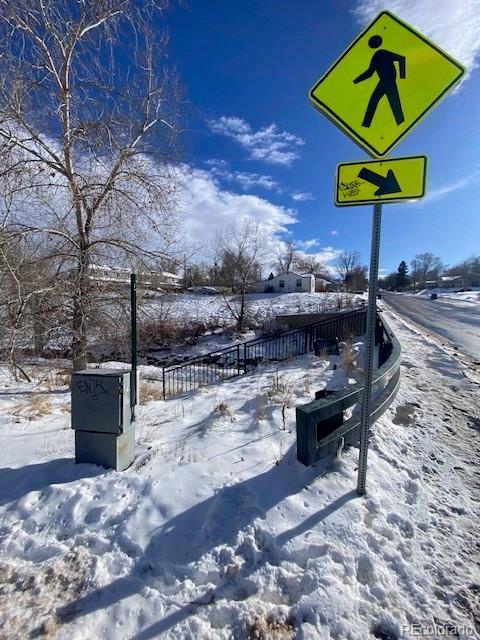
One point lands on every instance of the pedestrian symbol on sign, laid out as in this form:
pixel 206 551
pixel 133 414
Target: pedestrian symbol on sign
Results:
pixel 383 64
pixel 384 83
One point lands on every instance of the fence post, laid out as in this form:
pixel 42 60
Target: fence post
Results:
pixel 238 359
pixel 163 383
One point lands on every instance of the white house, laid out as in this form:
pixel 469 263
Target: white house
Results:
pixel 451 282
pixel 287 283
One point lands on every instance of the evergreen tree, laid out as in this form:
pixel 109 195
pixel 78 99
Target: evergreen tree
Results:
pixel 402 275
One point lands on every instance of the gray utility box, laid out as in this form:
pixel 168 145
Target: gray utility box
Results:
pixel 101 417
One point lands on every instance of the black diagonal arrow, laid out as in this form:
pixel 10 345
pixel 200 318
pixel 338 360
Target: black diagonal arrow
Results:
pixel 386 184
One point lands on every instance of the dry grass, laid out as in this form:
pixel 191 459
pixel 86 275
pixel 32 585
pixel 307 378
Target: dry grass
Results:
pixel 348 357
pixel 323 354
pixel 32 407
pixel 268 628
pixel 150 391
pixel 63 377
pixel 64 407
pixel 223 409
pixel 306 385
pixel 280 392
pixel 55 379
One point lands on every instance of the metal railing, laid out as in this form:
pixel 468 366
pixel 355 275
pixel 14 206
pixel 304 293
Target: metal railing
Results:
pixel 242 358
pixel 321 428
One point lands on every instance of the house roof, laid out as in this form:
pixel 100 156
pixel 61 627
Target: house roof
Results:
pixel 291 273
pixel 450 278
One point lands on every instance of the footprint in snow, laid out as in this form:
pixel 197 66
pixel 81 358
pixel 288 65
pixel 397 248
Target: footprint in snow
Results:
pixel 404 415
pixel 411 489
pixel 365 570
pixel 405 527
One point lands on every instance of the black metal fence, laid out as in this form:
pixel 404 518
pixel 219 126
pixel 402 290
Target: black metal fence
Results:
pixel 234 361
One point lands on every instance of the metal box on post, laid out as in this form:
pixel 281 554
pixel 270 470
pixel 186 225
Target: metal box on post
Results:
pixel 101 418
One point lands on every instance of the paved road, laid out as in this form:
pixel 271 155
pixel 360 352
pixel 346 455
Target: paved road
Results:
pixel 458 322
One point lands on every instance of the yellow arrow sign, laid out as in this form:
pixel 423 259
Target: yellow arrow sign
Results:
pixel 387 80
pixel 380 181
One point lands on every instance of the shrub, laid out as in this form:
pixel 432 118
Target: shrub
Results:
pixel 271 327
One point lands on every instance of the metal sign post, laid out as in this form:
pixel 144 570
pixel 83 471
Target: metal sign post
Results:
pixel 370 348
pixel 133 320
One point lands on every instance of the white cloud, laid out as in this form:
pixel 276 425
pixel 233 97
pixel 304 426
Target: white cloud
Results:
pixel 246 179
pixel 301 196
pixel 268 143
pixel 307 244
pixel 441 192
pixel 452 24
pixel 216 163
pixel 327 254
pixel 334 232
pixel 208 209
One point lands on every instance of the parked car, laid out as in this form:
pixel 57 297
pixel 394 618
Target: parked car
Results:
pixel 379 295
pixel 433 296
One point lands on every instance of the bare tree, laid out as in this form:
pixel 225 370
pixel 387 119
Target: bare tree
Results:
pixel 241 251
pixel 304 263
pixel 89 111
pixel 357 280
pixel 469 269
pixel 347 261
pixel 30 305
pixel 286 257
pixel 425 266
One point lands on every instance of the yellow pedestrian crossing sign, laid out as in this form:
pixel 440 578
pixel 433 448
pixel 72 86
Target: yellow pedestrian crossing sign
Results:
pixel 387 80
pixel 393 180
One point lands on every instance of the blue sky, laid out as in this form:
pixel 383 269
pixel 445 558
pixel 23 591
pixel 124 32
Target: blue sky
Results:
pixel 256 147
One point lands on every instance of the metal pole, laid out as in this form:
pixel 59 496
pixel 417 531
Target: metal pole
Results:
pixel 133 318
pixel 371 317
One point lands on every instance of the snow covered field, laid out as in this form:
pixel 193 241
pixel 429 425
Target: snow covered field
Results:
pixel 217 531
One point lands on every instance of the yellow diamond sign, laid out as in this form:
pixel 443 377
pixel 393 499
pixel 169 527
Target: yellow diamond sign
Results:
pixel 393 180
pixel 387 80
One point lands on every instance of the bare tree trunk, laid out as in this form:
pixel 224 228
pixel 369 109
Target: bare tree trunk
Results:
pixel 80 311
pixel 241 315
pixel 38 327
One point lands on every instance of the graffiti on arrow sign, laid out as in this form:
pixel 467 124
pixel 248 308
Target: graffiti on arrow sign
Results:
pixel 380 181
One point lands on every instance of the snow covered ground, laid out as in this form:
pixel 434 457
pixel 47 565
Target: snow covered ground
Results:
pixel 217 531
pixel 189 306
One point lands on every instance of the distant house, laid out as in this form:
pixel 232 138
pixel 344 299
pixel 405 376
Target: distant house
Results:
pixel 451 282
pixel 165 278
pixel 325 283
pixel 119 277
pixel 287 283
